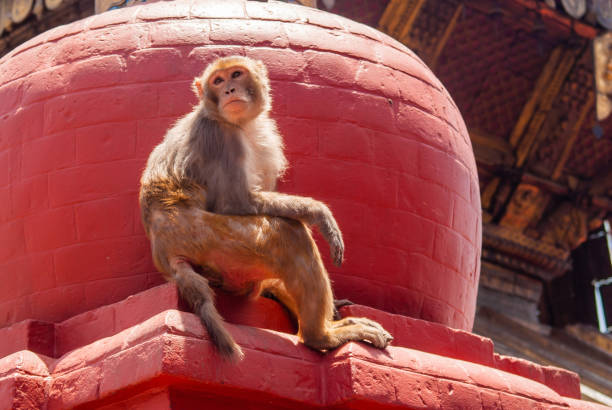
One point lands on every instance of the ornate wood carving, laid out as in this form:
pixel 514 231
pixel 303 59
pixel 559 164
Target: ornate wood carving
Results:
pixel 399 16
pixel 546 101
pixel 566 227
pixel 20 10
pixel 525 207
pixel 517 250
pixel 447 32
pixel 52 4
pixel 574 132
pixel 602 61
pixel 531 104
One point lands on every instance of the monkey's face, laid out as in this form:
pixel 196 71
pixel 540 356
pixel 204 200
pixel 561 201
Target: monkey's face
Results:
pixel 234 93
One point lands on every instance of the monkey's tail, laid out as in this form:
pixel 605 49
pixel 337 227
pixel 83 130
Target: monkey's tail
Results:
pixel 196 291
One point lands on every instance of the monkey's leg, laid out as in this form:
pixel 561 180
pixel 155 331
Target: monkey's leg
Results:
pixel 308 210
pixel 201 298
pixel 307 283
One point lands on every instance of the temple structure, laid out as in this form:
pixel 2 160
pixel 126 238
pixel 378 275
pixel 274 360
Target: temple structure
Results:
pixel 439 241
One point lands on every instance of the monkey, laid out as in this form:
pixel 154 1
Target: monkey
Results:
pixel 210 210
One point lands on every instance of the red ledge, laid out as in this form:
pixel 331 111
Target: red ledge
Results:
pixel 121 350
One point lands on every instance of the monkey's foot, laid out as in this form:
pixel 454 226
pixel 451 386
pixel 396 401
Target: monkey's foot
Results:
pixel 368 330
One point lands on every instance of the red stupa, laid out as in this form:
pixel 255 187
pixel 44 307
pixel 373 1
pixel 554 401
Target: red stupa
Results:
pixel 85 320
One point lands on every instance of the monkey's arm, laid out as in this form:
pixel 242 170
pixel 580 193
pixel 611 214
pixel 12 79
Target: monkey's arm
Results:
pixel 305 209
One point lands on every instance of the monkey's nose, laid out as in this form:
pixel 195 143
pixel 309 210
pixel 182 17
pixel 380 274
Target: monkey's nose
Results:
pixel 230 91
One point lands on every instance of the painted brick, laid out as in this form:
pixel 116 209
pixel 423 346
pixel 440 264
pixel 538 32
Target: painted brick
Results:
pixel 426 199
pixel 12 240
pixel 117 39
pixel 100 292
pixel 5 204
pixel 378 79
pixel 405 61
pixel 437 311
pixel 345 141
pixel 176 99
pixel 50 229
pixel 373 111
pixel 48 153
pixel 74 388
pixel 407 231
pixel 448 247
pixel 62 299
pixel 222 10
pixel 10 95
pixel 96 72
pixel 4 172
pixel 149 133
pixel 29 196
pixel 22 125
pixel 102 260
pixel 82 109
pixel 44 84
pixel 465 219
pixel 106 218
pixel 162 11
pixel 300 136
pixel 202 56
pixel 31 60
pixel 331 69
pixel 158 64
pixel 395 152
pixel 94 181
pixel 105 142
pixel 282 64
pixel 312 37
pixel 278 12
pixel 350 181
pixel 179 33
pixel 441 168
pixel 27 274
pixel 249 32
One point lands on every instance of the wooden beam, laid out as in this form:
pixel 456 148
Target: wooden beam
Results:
pixel 538 90
pixel 489 192
pixel 414 13
pixel 574 133
pixel 447 33
pixel 602 183
pixel 390 11
pixel 546 101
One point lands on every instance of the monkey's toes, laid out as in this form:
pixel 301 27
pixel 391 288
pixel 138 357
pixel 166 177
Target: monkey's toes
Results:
pixel 382 339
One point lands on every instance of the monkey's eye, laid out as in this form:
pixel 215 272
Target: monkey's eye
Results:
pixel 236 74
pixel 217 81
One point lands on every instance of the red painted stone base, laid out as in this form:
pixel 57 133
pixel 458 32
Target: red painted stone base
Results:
pixel 144 352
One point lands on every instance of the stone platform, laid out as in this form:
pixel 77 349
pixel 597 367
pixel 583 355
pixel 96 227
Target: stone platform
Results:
pixel 147 352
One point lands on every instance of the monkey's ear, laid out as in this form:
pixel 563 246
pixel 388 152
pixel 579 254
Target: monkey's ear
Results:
pixel 262 68
pixel 197 87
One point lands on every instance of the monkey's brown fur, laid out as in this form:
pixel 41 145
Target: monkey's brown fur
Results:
pixel 207 204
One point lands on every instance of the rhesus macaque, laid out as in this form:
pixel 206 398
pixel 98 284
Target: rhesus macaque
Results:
pixel 208 207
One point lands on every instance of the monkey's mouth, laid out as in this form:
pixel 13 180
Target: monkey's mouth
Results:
pixel 234 103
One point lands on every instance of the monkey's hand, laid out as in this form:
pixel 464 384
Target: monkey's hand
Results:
pixel 307 210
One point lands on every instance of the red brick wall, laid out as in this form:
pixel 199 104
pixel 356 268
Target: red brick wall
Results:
pixel 368 129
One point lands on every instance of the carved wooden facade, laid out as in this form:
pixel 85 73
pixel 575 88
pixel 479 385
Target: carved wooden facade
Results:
pixel 522 74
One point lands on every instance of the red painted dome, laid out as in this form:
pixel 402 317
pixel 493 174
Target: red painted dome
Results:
pixel 368 129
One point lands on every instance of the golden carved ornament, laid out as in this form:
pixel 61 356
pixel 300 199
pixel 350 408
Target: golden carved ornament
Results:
pixel 21 10
pixel 52 4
